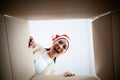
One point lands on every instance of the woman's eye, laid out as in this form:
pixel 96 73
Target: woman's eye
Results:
pixel 60 42
pixel 64 46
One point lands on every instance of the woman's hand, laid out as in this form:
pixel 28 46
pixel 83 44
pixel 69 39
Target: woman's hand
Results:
pixel 31 43
pixel 66 74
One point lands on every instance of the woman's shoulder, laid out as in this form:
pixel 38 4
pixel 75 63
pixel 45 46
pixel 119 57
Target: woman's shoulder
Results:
pixel 39 48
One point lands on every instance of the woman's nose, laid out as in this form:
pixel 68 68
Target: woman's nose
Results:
pixel 61 46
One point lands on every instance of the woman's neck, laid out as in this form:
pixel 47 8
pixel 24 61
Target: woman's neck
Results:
pixel 49 54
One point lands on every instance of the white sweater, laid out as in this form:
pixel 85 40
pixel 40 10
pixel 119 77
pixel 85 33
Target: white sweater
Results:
pixel 43 63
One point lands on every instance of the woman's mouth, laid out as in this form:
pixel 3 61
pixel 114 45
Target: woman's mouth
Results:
pixel 56 49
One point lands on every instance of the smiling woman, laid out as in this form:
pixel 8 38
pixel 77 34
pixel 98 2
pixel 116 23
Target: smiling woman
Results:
pixel 45 58
pixel 79 58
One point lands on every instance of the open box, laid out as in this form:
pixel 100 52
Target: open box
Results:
pixel 17 59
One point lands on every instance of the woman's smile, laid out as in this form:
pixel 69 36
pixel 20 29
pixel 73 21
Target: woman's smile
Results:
pixel 57 49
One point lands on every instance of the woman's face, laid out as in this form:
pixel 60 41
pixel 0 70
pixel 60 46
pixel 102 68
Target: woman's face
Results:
pixel 59 47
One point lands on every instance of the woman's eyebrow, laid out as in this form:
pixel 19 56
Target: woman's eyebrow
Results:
pixel 65 46
pixel 61 41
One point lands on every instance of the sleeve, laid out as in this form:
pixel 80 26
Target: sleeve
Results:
pixel 38 48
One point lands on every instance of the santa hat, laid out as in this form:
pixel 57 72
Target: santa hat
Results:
pixel 64 36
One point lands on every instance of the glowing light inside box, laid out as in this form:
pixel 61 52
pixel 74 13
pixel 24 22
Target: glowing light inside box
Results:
pixel 79 58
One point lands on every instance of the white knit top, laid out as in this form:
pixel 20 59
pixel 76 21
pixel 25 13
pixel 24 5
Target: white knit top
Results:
pixel 41 59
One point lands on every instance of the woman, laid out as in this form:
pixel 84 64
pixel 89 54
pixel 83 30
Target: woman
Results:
pixel 44 59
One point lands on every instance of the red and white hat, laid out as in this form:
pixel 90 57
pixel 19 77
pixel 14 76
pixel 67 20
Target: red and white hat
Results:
pixel 64 36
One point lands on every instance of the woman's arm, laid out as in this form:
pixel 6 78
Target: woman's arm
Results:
pixel 35 46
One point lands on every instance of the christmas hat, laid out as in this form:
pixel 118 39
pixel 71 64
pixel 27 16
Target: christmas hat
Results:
pixel 64 36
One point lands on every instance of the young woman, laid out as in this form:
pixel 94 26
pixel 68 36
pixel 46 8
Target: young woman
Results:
pixel 44 59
